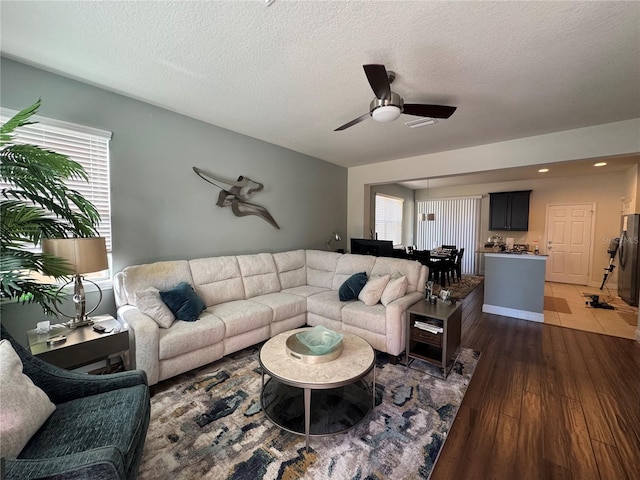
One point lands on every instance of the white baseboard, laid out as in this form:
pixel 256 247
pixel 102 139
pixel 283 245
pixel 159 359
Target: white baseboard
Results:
pixel 512 312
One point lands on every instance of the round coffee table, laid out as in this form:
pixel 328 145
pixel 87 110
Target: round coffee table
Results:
pixel 341 395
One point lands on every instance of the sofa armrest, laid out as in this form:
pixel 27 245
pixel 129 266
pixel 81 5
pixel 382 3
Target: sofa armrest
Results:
pixel 144 341
pixel 104 463
pixel 395 311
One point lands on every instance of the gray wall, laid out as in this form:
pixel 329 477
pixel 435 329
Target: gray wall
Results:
pixel 160 209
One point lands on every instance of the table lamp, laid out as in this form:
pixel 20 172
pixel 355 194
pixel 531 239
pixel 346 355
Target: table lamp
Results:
pixel 83 255
pixel 335 237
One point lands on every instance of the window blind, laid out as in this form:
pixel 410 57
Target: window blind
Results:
pixel 389 218
pixel 85 145
pixel 457 222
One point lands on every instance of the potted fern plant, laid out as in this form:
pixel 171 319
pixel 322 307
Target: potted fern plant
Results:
pixel 36 203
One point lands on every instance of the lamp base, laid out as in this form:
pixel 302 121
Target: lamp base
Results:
pixel 77 323
pixel 81 317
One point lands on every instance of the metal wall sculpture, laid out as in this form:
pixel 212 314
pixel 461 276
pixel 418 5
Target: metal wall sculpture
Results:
pixel 237 195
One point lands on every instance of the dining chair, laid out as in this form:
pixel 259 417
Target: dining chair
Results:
pixel 424 257
pixel 448 267
pixel 458 269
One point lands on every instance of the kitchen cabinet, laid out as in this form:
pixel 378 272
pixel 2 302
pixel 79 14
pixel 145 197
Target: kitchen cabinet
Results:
pixel 509 211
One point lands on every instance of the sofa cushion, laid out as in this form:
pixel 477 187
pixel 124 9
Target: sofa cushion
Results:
pixel 160 275
pixel 321 267
pixel 292 268
pixel 305 290
pixel 25 407
pixel 184 337
pixel 150 303
pixel 348 265
pixel 372 291
pixel 396 288
pixel 283 305
pixel 259 274
pixel 240 316
pixel 217 279
pixel 371 318
pixel 409 268
pixel 351 288
pixel 326 304
pixel 183 302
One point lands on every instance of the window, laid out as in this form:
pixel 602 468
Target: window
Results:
pixel 85 145
pixel 457 222
pixel 389 218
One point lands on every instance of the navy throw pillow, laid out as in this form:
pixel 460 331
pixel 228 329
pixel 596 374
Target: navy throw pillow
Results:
pixel 184 302
pixel 351 287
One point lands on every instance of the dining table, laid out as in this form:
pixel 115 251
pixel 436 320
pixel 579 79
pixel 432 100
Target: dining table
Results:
pixel 437 259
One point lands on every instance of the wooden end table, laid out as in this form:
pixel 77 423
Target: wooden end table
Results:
pixel 83 345
pixel 436 348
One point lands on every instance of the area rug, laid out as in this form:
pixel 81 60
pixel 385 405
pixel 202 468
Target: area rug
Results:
pixel 556 304
pixel 459 290
pixel 208 424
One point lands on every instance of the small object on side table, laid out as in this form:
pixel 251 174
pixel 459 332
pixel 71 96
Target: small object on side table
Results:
pixel 56 340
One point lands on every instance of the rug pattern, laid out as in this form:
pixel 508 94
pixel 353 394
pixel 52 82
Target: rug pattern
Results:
pixel 208 424
pixel 460 289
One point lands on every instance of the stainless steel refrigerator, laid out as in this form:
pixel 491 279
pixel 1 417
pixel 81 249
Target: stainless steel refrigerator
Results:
pixel 629 258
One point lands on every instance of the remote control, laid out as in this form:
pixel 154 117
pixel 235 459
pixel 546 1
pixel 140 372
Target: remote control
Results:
pixel 99 328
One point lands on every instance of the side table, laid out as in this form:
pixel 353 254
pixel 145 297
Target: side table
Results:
pixel 83 345
pixel 436 348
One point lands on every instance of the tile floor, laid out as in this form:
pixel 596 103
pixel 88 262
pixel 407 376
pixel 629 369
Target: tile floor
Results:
pixel 584 317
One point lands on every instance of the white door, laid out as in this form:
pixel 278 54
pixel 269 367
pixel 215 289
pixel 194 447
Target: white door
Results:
pixel 569 233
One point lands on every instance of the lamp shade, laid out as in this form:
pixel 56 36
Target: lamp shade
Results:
pixel 84 255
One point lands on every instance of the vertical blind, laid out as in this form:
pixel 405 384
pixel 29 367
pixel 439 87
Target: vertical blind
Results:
pixel 389 218
pixel 457 222
pixel 85 145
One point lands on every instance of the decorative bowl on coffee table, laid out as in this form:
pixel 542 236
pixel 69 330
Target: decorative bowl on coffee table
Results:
pixel 320 340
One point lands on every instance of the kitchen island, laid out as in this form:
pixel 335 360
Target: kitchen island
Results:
pixel 514 285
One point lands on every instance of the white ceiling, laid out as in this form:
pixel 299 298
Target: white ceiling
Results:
pixel 560 169
pixel 290 73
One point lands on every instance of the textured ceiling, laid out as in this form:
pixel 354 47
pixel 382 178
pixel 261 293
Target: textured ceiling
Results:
pixel 290 73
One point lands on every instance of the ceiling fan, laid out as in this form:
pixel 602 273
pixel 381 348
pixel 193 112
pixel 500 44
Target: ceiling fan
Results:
pixel 388 105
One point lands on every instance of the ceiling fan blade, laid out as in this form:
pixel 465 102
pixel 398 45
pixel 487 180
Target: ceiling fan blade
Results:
pixel 379 80
pixel 433 111
pixel 353 122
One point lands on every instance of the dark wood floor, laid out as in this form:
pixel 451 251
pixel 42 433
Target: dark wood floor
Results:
pixel 545 402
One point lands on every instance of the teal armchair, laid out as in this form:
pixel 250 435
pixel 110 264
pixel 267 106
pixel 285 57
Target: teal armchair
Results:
pixel 97 430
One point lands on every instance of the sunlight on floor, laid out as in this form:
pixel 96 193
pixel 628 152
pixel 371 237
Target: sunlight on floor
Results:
pixel 584 317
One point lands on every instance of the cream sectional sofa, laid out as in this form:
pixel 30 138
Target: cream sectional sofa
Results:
pixel 250 298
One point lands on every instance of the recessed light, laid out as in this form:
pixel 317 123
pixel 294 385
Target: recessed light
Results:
pixel 600 164
pixel 543 170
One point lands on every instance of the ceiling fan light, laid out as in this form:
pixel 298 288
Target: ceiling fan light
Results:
pixel 387 113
